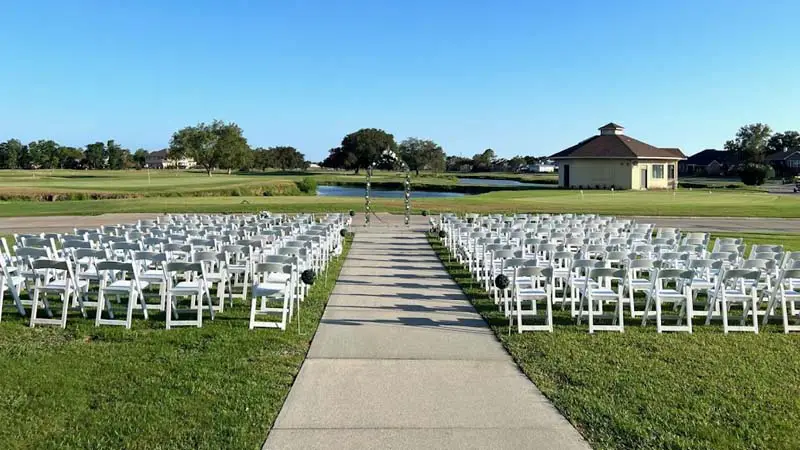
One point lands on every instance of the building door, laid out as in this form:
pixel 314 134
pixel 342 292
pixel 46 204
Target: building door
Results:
pixel 643 183
pixel 566 175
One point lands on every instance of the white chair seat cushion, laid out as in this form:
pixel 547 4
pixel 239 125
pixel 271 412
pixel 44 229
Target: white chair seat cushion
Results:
pixel 268 289
pixel 188 288
pixel 58 285
pixel 15 281
pixel 124 286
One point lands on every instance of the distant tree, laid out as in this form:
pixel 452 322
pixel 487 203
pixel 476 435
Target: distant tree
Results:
pixel 482 162
pixel 116 156
pixel 516 163
pixel 214 145
pixel 70 158
pixel 286 158
pixel 422 154
pixel 456 163
pixel 788 141
pixel 10 154
pixel 140 157
pixel 338 158
pixel 262 158
pixel 367 144
pixel 44 154
pixel 529 160
pixel 95 155
pixel 750 144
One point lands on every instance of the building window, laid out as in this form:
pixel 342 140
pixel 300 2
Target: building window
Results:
pixel 658 171
pixel 793 163
pixel 671 171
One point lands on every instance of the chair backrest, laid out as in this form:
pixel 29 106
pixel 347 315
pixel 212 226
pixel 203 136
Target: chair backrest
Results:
pixel 746 274
pixel 126 246
pixel 180 266
pixel 674 274
pixel 31 253
pixel 80 253
pixel 116 266
pixel 51 264
pixel 269 267
pixel 74 244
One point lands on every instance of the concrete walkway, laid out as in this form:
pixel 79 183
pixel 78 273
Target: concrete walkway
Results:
pixel 402 360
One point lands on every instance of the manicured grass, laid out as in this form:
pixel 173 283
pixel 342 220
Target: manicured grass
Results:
pixel 220 386
pixel 643 390
pixel 654 203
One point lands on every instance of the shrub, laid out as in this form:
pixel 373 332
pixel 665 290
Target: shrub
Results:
pixel 753 174
pixel 308 185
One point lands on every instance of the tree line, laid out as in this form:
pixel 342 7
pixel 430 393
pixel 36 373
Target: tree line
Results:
pixel 222 146
pixel 213 146
pixel 752 148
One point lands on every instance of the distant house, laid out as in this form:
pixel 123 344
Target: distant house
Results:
pixel 784 163
pixel 611 159
pixel 160 160
pixel 541 168
pixel 709 162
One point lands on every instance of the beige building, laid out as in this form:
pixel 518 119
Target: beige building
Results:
pixel 613 160
pixel 160 160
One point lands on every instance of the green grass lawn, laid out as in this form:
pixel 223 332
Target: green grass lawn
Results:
pixel 653 203
pixel 643 390
pixel 220 386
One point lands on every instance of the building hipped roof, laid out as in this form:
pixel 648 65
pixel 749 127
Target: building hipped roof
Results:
pixel 617 146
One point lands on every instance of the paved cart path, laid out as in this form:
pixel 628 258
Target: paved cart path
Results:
pixel 402 360
pixel 38 224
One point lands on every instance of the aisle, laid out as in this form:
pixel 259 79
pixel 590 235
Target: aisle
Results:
pixel 402 360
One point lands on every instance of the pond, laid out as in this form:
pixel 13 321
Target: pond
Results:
pixel 344 191
pixel 496 182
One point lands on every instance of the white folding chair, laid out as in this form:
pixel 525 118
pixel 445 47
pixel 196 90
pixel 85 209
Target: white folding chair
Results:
pixel 120 279
pixel 532 284
pixel 670 286
pixel 599 289
pixel 736 287
pixel 55 277
pixel 269 289
pixel 186 280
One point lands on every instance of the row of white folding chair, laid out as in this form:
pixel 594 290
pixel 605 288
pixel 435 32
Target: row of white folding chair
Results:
pixel 323 248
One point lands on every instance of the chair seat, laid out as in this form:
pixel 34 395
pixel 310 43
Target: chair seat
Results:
pixel 670 294
pixel 188 288
pixel 59 285
pixel 152 275
pixel 15 281
pixel 531 291
pixel 268 289
pixel 124 286
pixel 215 277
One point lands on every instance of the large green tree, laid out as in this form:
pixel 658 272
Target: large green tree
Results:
pixel 45 154
pixel 339 159
pixel 10 153
pixel 214 145
pixel 366 145
pixel 95 155
pixel 70 158
pixel 750 144
pixel 422 154
pixel 116 156
pixel 788 141
pixel 482 162
pixel 140 157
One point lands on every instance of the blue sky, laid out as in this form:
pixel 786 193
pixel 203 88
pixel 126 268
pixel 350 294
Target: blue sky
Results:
pixel 522 77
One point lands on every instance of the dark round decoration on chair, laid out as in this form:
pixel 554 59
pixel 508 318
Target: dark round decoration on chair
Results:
pixel 424 213
pixel 501 281
pixel 442 234
pixel 308 276
pixel 343 232
pixel 352 213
